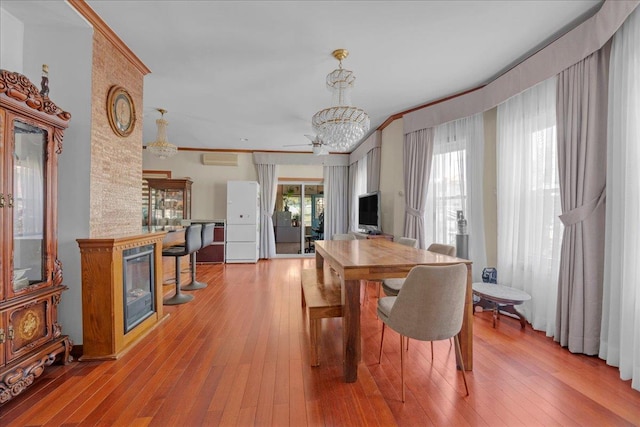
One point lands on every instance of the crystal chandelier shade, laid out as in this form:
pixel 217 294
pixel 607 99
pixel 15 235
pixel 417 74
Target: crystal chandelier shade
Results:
pixel 161 147
pixel 341 126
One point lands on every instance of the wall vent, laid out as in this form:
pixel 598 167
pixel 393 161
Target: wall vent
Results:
pixel 220 159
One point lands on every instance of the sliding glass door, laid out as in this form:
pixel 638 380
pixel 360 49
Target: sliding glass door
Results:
pixel 298 218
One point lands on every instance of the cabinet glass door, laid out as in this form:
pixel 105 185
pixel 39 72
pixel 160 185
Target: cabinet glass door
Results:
pixel 167 206
pixel 28 201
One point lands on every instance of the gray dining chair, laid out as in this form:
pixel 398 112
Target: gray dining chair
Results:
pixel 391 287
pixel 429 307
pixel 344 236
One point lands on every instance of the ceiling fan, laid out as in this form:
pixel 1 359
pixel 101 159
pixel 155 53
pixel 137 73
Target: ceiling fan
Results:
pixel 319 147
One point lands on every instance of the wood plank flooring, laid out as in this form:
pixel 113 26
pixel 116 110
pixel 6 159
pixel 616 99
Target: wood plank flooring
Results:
pixel 238 355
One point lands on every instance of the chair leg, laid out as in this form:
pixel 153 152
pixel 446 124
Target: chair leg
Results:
pixel 402 364
pixel 459 353
pixel 179 297
pixel 381 339
pixel 431 351
pixel 194 285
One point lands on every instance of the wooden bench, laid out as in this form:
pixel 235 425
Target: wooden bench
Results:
pixel 322 297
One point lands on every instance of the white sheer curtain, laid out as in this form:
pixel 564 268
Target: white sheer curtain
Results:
pixel 456 184
pixel 529 231
pixel 29 184
pixel 620 331
pixel 358 185
pixel 336 192
pixel 268 180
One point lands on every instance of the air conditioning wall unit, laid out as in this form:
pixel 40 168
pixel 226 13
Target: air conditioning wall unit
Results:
pixel 220 159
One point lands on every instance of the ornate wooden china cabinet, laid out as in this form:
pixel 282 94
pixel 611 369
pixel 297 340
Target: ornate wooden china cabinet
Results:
pixel 31 130
pixel 169 201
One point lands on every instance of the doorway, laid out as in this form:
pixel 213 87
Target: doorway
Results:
pixel 298 218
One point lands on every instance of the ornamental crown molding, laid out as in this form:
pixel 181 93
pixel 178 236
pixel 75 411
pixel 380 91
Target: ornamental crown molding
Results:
pixel 99 25
pixel 18 87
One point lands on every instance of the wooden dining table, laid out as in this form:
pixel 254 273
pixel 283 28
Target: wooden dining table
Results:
pixel 376 259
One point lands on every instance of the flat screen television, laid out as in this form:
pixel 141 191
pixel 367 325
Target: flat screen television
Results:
pixel 369 212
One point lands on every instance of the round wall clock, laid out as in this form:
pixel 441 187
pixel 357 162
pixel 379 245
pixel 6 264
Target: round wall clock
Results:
pixel 121 111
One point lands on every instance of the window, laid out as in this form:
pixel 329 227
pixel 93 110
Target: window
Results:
pixel 528 201
pixel 447 193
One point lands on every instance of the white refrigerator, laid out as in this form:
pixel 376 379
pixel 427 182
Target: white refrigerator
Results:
pixel 243 222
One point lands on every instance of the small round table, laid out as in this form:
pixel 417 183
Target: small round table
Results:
pixel 502 297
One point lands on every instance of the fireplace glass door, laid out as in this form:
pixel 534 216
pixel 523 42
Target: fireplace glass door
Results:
pixel 138 282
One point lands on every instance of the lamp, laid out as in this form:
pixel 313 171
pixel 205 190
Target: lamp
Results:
pixel 341 126
pixel 161 147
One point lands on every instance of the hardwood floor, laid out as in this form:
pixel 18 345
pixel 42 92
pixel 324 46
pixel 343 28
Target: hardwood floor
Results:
pixel 238 355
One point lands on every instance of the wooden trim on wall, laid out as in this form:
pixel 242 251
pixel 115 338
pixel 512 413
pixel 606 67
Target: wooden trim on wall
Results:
pixel 246 151
pixel 396 116
pixel 99 25
pixel 156 174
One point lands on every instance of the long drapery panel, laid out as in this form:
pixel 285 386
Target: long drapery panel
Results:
pixel 268 180
pixel 373 170
pixel 417 156
pixel 582 160
pixel 528 201
pixel 620 329
pixel 336 192
pixel 456 184
pixel 357 186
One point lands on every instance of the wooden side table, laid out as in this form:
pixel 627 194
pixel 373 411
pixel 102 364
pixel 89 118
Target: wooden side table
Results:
pixel 502 297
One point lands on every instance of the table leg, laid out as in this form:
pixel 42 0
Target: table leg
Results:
pixel 319 261
pixel 466 333
pixel 511 309
pixel 351 328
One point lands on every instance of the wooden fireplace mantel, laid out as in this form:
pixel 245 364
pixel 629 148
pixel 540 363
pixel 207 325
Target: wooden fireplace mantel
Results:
pixel 102 295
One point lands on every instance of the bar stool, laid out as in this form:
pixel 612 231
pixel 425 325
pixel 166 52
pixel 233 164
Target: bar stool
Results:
pixel 207 239
pixel 192 242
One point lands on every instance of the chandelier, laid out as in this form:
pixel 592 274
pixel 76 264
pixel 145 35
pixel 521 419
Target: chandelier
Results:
pixel 341 126
pixel 161 147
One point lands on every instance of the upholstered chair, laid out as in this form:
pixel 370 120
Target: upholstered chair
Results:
pixel 429 307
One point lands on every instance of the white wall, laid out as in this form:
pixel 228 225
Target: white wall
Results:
pixel 70 88
pixel 67 51
pixel 391 179
pixel 11 41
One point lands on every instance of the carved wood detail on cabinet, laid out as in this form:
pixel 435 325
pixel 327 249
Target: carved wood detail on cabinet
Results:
pixel 31 133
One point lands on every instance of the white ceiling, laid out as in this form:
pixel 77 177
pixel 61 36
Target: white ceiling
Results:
pixel 229 70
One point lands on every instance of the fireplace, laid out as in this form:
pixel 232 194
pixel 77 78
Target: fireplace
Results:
pixel 138 285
